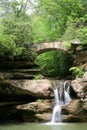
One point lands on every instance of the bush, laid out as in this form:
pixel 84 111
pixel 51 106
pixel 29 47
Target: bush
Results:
pixel 77 71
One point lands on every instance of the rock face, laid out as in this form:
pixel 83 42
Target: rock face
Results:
pixel 19 92
pixel 85 76
pixel 35 88
pixel 41 110
pixel 76 110
pixel 80 87
pixel 21 98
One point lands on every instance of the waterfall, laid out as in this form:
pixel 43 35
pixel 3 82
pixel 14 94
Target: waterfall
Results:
pixel 61 97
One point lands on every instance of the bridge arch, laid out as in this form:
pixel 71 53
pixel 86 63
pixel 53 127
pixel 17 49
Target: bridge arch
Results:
pixel 44 47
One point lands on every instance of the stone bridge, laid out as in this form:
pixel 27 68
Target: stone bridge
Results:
pixel 44 47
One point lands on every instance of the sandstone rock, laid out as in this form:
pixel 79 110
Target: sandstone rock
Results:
pixel 85 105
pixel 44 117
pixel 9 113
pixel 74 107
pixel 39 111
pixel 75 112
pixel 35 88
pixel 74 118
pixel 16 75
pixel 80 87
pixel 80 58
pixel 36 107
pixel 70 118
pixel 85 76
pixel 7 64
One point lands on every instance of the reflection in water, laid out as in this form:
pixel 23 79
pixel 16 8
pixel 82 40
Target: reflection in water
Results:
pixel 34 126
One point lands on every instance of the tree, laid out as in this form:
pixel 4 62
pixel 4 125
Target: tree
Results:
pixel 53 16
pixel 18 28
pixel 4 7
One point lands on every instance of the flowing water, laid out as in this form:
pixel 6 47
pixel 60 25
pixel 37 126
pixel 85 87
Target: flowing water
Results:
pixel 34 126
pixel 61 94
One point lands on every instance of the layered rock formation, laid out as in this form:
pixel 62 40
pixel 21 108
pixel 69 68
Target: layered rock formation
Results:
pixel 20 94
pixel 40 111
pixel 76 110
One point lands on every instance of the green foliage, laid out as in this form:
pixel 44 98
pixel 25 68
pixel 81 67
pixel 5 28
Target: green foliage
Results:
pixel 7 45
pixel 83 36
pixel 54 64
pixel 77 71
pixel 55 18
pixel 37 77
pixel 60 19
pixel 40 100
pixel 16 34
pixel 51 20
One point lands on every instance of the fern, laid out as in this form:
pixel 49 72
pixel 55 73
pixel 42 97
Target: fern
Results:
pixel 77 71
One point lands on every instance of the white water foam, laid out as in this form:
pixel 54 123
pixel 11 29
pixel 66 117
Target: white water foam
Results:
pixel 62 98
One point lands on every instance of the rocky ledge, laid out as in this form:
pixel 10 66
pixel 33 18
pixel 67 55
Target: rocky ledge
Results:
pixel 25 100
pixel 41 111
pixel 76 110
pixel 34 88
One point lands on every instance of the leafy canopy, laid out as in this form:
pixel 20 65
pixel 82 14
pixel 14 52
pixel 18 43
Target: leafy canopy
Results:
pixel 16 34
